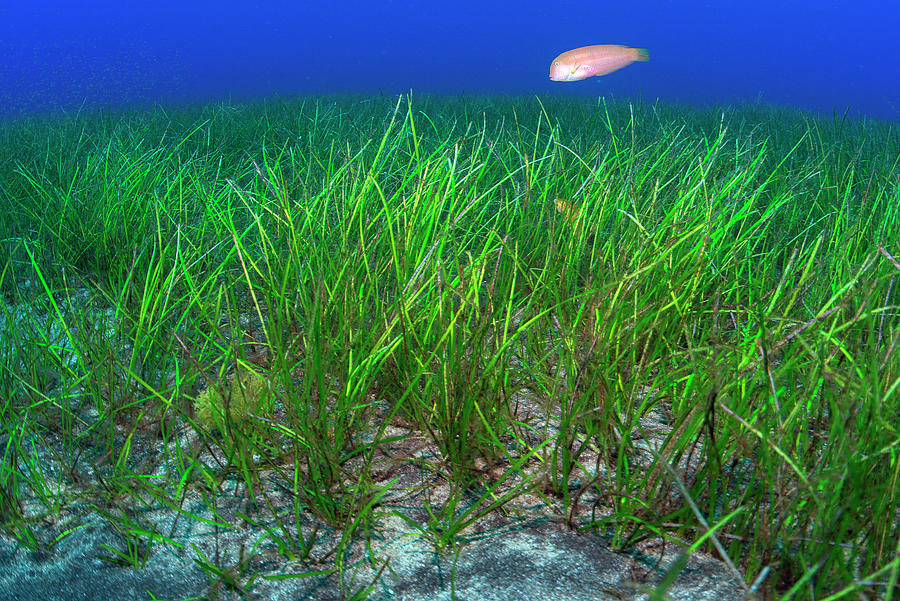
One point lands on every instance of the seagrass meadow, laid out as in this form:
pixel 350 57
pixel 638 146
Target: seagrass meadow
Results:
pixel 662 323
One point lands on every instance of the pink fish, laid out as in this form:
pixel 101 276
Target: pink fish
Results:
pixel 594 60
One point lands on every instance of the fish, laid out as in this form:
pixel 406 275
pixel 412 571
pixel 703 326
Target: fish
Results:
pixel 590 61
pixel 568 209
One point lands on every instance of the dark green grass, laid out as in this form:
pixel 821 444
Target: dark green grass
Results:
pixel 731 269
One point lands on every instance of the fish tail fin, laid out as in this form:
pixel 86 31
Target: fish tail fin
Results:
pixel 643 54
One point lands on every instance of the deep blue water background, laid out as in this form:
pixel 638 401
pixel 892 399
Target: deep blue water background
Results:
pixel 824 56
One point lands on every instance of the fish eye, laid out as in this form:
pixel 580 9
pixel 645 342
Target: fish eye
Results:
pixel 556 64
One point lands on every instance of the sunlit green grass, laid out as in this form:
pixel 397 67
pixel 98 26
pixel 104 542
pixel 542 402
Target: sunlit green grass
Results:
pixel 382 259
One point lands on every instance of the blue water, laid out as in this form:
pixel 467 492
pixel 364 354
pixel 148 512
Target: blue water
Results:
pixel 821 56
